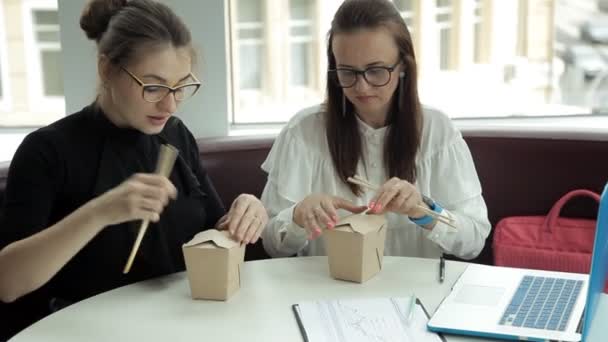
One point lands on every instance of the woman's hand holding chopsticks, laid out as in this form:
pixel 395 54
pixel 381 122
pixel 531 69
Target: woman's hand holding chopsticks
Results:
pixel 398 196
pixel 141 197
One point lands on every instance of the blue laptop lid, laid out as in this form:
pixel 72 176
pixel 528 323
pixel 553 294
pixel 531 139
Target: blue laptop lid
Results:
pixel 595 328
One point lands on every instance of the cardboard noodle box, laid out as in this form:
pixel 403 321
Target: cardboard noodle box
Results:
pixel 213 263
pixel 355 247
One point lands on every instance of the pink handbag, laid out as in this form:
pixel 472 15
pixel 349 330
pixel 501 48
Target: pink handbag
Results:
pixel 546 243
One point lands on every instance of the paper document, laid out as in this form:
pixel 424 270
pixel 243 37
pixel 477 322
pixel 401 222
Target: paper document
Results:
pixel 376 319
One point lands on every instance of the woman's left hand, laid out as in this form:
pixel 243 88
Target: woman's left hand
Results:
pixel 246 219
pixel 398 196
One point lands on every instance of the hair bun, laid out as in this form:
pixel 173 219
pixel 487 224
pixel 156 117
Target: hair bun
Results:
pixel 96 16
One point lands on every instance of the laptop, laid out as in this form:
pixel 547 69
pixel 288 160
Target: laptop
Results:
pixel 532 305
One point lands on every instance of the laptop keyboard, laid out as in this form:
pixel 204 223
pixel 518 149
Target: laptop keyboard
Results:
pixel 542 303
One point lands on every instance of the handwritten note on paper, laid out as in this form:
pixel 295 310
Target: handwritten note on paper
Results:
pixel 374 320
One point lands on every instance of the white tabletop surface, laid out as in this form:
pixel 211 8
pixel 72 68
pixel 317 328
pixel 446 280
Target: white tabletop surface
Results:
pixel 162 309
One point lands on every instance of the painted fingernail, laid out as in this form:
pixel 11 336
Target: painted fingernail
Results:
pixel 330 224
pixel 378 207
pixel 372 205
pixel 335 218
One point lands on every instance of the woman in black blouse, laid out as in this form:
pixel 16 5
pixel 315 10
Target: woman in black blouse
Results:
pixel 78 188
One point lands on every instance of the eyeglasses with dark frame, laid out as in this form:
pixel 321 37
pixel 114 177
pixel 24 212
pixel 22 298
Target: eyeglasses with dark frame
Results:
pixel 376 76
pixel 153 93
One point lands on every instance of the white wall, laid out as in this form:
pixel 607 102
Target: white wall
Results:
pixel 206 114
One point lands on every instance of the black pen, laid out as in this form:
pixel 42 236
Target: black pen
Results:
pixel 441 268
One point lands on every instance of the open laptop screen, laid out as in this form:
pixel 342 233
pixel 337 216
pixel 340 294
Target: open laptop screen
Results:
pixel 596 308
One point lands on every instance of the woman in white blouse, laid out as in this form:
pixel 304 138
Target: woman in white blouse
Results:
pixel 372 125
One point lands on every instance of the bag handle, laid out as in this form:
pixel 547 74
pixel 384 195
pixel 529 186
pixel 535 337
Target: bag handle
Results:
pixel 557 207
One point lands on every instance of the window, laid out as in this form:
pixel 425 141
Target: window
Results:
pixel 31 77
pixel 250 30
pixel 43 53
pixel 477 32
pixel 46 27
pixel 301 40
pixel 277 54
pixel 406 7
pixel 4 80
pixel 476 58
pixel 443 16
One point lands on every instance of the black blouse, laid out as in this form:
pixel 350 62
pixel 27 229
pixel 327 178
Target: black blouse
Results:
pixel 60 167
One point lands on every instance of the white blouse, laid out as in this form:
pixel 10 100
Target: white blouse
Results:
pixel 300 164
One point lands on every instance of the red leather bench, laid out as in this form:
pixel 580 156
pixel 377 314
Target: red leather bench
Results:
pixel 522 173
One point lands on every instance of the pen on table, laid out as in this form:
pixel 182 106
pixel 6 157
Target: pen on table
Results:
pixel 441 268
pixel 410 314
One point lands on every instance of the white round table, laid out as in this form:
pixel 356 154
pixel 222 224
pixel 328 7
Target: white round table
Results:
pixel 162 310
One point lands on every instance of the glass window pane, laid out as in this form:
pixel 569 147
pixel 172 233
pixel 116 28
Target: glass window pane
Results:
pixel 477 43
pixel 52 73
pixel 250 66
pixel 250 33
pixel 405 5
pixel 300 9
pixel 47 36
pixel 443 18
pixel 46 17
pixel 299 31
pixel 444 48
pixel 250 10
pixel 300 64
pixel 443 3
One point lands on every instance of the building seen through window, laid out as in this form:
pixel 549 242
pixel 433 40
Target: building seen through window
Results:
pixel 31 72
pixel 476 58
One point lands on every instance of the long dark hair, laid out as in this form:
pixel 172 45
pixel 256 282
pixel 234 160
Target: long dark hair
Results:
pixel 123 28
pixel 405 117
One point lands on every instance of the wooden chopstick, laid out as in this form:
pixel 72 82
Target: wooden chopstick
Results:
pixel 164 165
pixel 441 218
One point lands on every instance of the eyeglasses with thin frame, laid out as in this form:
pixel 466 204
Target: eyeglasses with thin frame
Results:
pixel 376 76
pixel 153 93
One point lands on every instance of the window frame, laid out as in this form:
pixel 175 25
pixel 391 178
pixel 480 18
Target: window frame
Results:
pixel 39 102
pixel 5 97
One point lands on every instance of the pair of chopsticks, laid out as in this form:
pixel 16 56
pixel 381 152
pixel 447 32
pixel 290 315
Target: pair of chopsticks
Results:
pixel 164 165
pixel 441 218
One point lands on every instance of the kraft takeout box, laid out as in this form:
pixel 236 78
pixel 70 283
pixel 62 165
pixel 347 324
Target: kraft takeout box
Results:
pixel 355 247
pixel 213 262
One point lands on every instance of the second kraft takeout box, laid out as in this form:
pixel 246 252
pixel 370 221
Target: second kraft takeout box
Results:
pixel 355 247
pixel 213 263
